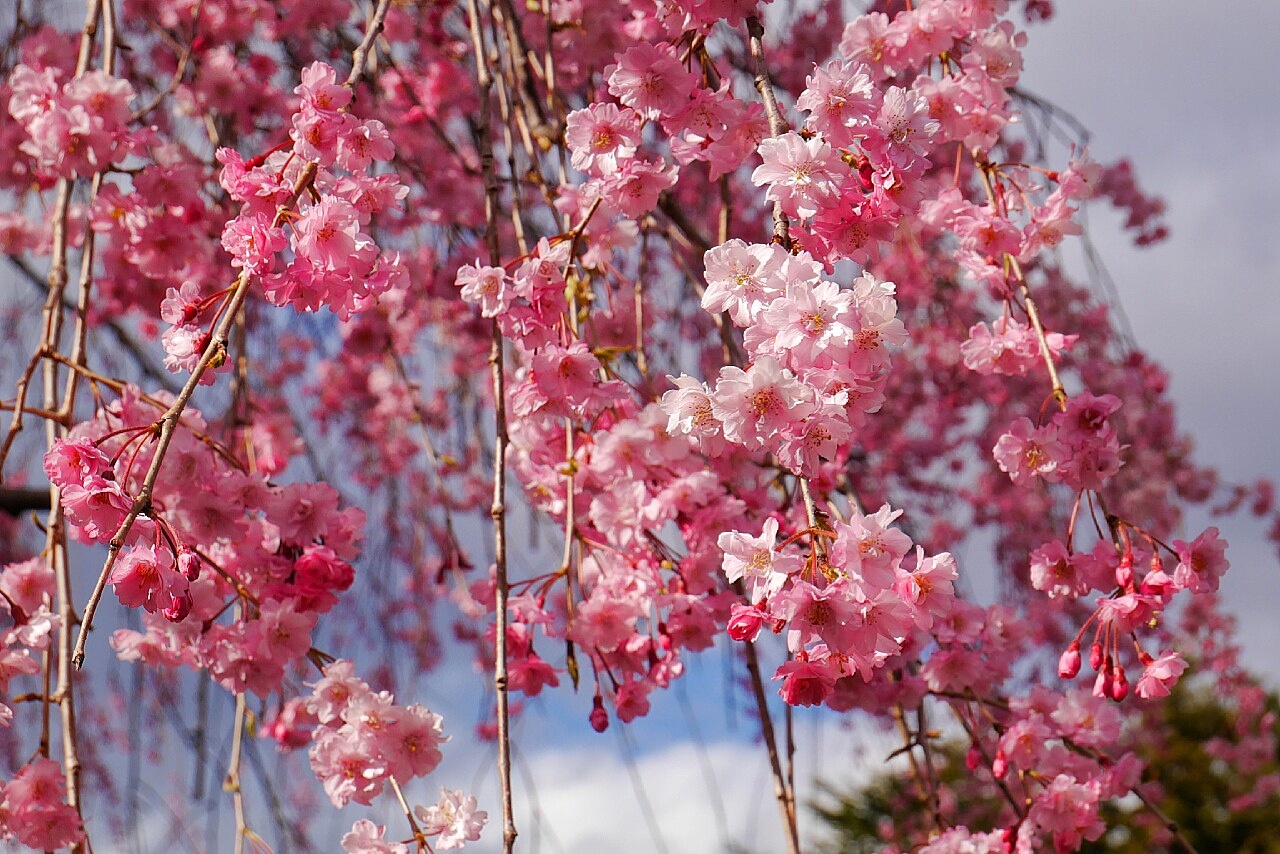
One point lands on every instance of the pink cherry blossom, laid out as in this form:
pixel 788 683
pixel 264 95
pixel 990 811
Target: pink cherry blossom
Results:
pixel 1159 675
pixel 804 176
pixel 365 837
pixel 1027 451
pixel 757 403
pixel 601 136
pixel 757 560
pixel 649 80
pixel 454 819
pixel 1201 562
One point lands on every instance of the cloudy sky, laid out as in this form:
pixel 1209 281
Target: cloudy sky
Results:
pixel 1180 88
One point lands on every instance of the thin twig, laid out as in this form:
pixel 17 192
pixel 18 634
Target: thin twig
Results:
pixel 232 783
pixel 418 836
pixel 777 124
pixel 497 511
pixel 784 794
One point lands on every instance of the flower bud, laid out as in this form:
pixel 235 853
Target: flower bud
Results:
pixel 189 564
pixel 1119 684
pixel 1069 663
pixel 599 718
pixel 1124 571
pixel 1000 767
pixel 1095 655
pixel 1102 684
pixel 179 607
pixel 745 622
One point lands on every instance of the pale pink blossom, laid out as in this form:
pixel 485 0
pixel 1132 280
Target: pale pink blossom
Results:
pixel 1027 451
pixel 600 136
pixel 1159 675
pixel 365 837
pixel 841 100
pixel 756 404
pixel 867 548
pixel 1201 562
pixel 650 80
pixel 803 175
pixel 453 819
pixel 742 278
pixel 757 560
pixel 484 286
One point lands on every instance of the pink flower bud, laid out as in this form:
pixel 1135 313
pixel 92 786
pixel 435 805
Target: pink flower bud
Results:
pixel 1124 571
pixel 189 564
pixel 1119 684
pixel 1000 767
pixel 178 608
pixel 1102 684
pixel 1095 655
pixel 973 758
pixel 1069 663
pixel 745 622
pixel 599 718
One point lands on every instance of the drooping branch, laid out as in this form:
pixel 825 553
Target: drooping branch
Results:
pixel 497 510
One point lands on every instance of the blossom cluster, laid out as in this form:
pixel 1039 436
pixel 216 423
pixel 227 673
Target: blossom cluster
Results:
pixel 847 609
pixel 33 808
pixel 76 127
pixel 214 531
pixel 451 822
pixel 362 738
pixel 335 262
pixel 818 357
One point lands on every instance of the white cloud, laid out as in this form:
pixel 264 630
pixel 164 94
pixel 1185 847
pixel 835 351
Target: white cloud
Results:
pixel 704 799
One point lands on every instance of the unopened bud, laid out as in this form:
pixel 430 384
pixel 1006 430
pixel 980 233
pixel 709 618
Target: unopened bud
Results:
pixel 1069 663
pixel 1000 767
pixel 1102 685
pixel 1095 655
pixel 1119 684
pixel 599 718
pixel 189 564
pixel 179 608
pixel 1124 572
pixel 745 622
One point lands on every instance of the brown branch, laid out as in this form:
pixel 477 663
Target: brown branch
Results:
pixel 497 511
pixel 232 783
pixel 777 124
pixel 16 500
pixel 784 796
